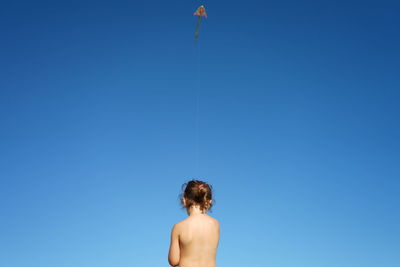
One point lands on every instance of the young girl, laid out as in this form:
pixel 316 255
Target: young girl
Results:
pixel 194 241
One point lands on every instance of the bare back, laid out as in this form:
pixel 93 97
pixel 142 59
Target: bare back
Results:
pixel 198 241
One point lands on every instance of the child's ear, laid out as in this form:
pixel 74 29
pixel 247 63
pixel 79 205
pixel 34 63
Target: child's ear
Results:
pixel 184 202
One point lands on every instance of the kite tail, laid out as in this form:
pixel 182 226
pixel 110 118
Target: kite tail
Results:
pixel 197 30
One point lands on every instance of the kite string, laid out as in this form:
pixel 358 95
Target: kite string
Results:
pixel 197 113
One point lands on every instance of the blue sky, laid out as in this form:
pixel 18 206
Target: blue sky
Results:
pixel 298 130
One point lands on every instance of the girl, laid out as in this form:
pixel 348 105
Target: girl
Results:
pixel 194 241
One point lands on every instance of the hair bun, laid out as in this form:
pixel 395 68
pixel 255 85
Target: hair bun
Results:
pixel 197 193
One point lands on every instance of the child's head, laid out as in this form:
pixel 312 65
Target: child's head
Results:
pixel 197 193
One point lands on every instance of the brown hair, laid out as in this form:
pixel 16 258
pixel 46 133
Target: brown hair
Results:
pixel 197 192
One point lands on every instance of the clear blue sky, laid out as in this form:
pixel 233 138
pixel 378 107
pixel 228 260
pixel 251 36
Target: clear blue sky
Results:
pixel 298 130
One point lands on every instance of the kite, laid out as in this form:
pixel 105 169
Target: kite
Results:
pixel 201 12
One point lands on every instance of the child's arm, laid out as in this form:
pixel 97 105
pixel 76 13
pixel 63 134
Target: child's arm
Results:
pixel 174 250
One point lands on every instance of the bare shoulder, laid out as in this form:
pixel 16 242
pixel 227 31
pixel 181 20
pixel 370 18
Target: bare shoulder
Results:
pixel 215 221
pixel 177 228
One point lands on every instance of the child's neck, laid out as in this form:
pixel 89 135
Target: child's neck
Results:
pixel 195 210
